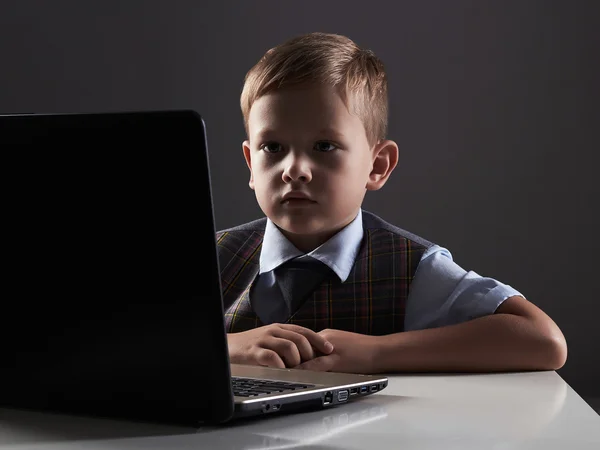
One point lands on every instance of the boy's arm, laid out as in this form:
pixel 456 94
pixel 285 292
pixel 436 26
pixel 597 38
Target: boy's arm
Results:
pixel 519 336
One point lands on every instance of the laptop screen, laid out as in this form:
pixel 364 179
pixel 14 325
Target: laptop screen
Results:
pixel 110 282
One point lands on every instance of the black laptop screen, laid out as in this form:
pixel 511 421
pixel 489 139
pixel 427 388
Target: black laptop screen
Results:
pixel 108 259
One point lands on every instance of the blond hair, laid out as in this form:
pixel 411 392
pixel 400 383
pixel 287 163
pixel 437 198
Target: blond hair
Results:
pixel 324 58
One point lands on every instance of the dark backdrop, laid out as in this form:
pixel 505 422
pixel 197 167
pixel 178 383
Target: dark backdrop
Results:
pixel 494 105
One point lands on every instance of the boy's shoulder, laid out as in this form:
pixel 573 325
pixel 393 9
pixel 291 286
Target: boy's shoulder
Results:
pixel 374 222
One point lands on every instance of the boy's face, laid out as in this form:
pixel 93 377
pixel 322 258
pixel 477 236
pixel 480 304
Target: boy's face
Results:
pixel 310 162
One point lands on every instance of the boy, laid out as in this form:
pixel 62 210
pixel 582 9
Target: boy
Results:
pixel 321 284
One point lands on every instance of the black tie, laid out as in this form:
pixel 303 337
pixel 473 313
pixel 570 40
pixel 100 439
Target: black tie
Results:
pixel 297 280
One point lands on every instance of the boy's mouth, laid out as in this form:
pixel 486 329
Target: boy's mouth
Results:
pixel 296 197
pixel 297 202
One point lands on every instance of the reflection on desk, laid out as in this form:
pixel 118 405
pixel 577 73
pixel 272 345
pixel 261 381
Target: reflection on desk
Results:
pixel 536 410
pixel 308 429
pixel 287 431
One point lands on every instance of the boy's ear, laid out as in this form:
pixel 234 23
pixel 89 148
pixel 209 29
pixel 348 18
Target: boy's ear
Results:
pixel 385 159
pixel 246 150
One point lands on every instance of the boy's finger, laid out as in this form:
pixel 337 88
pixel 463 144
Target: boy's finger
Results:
pixel 317 341
pixel 269 358
pixel 302 344
pixel 286 349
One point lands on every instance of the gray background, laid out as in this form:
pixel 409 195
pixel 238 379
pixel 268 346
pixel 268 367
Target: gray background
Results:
pixel 494 105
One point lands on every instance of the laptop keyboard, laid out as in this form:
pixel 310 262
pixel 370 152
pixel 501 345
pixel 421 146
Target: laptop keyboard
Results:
pixel 253 387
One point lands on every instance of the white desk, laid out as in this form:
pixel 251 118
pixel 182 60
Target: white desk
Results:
pixel 535 410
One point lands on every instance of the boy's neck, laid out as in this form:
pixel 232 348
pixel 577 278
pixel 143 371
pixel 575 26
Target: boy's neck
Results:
pixel 306 243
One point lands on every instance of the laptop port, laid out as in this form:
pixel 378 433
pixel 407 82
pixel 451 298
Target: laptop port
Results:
pixel 328 398
pixel 363 390
pixel 343 395
pixel 269 408
pixel 353 391
pixel 374 388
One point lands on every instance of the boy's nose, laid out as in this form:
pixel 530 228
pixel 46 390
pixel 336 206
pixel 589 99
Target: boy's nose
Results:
pixel 296 169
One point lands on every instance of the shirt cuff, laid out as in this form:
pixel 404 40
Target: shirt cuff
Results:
pixel 492 300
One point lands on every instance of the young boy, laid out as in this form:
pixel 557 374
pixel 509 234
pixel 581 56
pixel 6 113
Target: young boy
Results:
pixel 321 284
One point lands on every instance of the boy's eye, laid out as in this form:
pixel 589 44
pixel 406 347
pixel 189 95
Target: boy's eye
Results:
pixel 324 146
pixel 271 147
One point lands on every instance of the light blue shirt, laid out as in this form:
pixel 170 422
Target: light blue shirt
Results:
pixel 441 293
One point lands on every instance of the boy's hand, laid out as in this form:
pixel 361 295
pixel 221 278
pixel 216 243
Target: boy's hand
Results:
pixel 276 345
pixel 354 353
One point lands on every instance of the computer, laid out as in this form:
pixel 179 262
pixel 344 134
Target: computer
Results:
pixel 112 303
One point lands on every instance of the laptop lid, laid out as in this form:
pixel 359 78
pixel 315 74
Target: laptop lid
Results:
pixel 110 280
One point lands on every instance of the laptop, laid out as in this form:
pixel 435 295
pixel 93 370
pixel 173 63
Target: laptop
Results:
pixel 112 301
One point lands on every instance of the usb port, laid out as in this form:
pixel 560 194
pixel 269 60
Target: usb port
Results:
pixel 353 391
pixel 363 389
pixel 342 395
pixel 374 387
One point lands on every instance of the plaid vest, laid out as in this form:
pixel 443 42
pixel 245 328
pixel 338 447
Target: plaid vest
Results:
pixel 371 300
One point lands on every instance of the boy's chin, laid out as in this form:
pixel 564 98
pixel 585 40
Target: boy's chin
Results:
pixel 298 225
pixel 302 225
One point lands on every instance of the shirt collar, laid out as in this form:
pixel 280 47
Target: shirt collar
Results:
pixel 339 252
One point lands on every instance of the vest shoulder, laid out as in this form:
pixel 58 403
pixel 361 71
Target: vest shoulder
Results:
pixel 256 225
pixel 373 222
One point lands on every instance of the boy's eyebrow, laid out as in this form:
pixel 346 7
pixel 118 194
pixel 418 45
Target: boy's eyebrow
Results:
pixel 323 132
pixel 334 133
pixel 264 131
